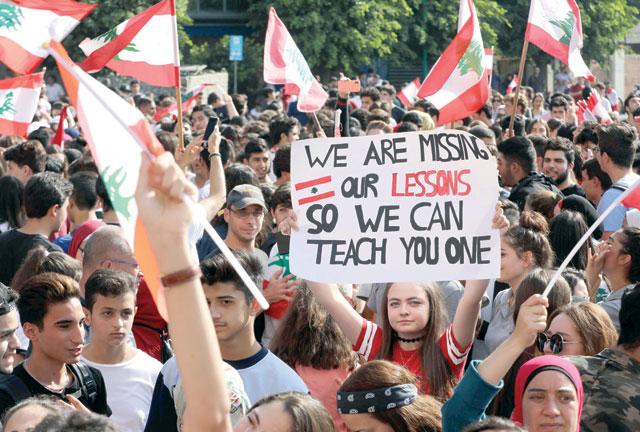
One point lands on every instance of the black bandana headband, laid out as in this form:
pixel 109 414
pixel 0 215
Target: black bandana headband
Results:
pixel 376 400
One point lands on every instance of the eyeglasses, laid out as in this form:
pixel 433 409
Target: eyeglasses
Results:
pixel 556 342
pixel 246 214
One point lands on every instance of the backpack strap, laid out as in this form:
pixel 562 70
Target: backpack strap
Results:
pixel 14 387
pixel 619 187
pixel 88 385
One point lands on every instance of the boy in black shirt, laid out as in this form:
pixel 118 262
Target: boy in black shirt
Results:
pixel 53 320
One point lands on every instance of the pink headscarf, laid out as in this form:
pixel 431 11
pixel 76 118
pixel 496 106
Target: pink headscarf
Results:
pixel 539 364
pixel 81 233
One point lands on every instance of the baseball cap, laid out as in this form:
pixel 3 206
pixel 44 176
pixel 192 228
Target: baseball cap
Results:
pixel 245 195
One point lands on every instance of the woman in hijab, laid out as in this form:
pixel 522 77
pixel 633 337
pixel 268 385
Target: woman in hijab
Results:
pixel 548 392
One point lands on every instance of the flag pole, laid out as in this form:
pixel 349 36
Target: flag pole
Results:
pixel 523 60
pixel 178 80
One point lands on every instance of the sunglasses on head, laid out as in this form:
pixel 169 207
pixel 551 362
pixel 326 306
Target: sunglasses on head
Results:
pixel 556 342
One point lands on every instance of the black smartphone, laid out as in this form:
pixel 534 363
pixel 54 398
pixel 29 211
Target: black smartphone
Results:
pixel 211 125
pixel 283 243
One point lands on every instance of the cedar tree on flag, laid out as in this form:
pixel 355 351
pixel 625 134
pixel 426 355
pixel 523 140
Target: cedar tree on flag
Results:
pixel 284 64
pixel 144 47
pixel 116 132
pixel 512 85
pixel 409 93
pixel 555 27
pixel 18 103
pixel 188 100
pixel 25 25
pixel 457 83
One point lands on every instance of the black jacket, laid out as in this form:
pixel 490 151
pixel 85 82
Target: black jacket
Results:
pixel 533 182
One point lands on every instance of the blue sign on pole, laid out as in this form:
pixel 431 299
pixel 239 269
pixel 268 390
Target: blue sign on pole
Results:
pixel 236 44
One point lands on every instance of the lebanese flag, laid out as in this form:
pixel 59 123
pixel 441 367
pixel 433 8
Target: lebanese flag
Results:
pixel 117 134
pixel 19 99
pixel 144 47
pixel 597 108
pixel 633 199
pixel 58 138
pixel 556 28
pixel 409 93
pixel 512 85
pixel 284 64
pixel 457 83
pixel 187 103
pixel 26 25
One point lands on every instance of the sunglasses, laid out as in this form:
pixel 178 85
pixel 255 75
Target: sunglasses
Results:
pixel 556 342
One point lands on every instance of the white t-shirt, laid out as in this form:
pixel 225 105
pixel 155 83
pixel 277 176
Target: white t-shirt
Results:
pixel 264 374
pixel 130 389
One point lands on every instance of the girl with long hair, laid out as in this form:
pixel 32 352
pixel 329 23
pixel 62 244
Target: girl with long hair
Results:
pixel 11 203
pixel 413 332
pixel 383 396
pixel 310 341
pixel 522 248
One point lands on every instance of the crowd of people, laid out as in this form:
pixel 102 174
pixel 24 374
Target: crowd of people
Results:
pixel 83 346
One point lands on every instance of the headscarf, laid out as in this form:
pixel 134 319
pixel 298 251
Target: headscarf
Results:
pixel 584 207
pixel 81 233
pixel 540 364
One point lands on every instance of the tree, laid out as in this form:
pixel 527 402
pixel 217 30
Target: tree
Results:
pixel 336 34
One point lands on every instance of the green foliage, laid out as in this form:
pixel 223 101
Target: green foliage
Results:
pixel 336 34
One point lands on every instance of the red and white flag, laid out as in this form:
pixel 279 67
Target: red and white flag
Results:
pixel 26 25
pixel 188 100
pixel 19 99
pixel 512 85
pixel 116 133
pixel 58 138
pixel 284 64
pixel 594 102
pixel 556 28
pixel 457 83
pixel 144 47
pixel 409 93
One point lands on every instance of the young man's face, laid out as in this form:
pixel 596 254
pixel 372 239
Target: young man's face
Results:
pixel 111 319
pixel 591 187
pixel 244 224
pixel 61 214
pixel 22 173
pixel 555 165
pixel 291 137
pixel 259 163
pixel 199 122
pixel 367 101
pixel 9 342
pixel 558 113
pixel 61 338
pixel 229 310
pixel 505 171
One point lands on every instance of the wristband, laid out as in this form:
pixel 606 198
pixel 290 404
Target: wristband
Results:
pixel 181 276
pixel 214 154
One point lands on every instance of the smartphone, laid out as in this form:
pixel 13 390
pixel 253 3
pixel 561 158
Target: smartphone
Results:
pixel 211 126
pixel 283 242
pixel 349 86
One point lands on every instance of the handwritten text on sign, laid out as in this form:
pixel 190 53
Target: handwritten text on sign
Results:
pixel 405 207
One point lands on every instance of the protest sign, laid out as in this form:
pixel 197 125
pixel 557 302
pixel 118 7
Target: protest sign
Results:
pixel 407 207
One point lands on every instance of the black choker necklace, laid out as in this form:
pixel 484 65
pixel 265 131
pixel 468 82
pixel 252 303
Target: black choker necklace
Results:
pixel 401 339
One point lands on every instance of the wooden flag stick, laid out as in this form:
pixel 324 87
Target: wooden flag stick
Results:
pixel 523 60
pixel 180 125
pixel 176 51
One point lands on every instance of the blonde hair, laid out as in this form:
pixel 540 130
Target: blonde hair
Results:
pixel 593 324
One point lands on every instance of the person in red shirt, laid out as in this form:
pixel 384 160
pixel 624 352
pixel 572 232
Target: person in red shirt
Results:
pixel 413 333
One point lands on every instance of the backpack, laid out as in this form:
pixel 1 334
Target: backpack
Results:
pixel 18 390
